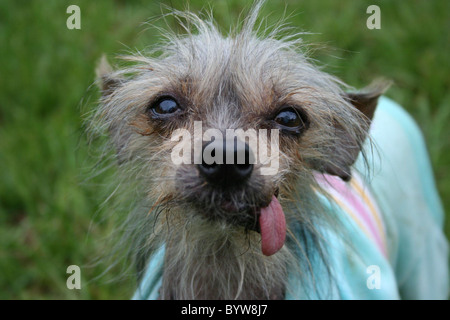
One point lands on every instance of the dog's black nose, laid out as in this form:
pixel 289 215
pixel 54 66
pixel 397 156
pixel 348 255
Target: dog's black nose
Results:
pixel 226 164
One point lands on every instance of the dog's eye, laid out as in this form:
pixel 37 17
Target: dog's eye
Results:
pixel 291 119
pixel 164 106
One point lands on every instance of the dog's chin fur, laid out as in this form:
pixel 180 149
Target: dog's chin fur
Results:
pixel 215 260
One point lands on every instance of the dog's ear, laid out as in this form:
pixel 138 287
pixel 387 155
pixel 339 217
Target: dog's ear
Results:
pixel 108 82
pixel 366 100
pixel 347 146
pixel 105 80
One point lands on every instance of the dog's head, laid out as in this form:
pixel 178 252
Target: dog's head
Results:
pixel 227 130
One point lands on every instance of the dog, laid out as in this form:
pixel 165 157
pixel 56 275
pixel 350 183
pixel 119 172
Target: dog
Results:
pixel 347 210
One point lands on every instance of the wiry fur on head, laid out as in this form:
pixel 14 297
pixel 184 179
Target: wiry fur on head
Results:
pixel 228 82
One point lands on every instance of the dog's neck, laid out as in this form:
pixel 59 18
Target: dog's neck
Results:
pixel 221 264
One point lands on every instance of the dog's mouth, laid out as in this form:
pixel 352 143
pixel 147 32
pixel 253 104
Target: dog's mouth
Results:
pixel 267 219
pixel 251 206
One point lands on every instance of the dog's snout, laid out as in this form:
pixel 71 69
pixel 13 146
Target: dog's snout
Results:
pixel 226 163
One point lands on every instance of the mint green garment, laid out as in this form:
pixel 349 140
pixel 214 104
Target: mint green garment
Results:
pixel 401 180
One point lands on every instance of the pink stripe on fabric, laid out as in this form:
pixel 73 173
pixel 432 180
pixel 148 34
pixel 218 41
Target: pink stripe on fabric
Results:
pixel 357 184
pixel 360 209
pixel 345 193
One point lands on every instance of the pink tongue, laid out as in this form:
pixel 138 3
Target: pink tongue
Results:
pixel 273 227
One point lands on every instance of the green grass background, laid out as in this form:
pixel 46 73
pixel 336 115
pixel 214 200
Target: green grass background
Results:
pixel 49 210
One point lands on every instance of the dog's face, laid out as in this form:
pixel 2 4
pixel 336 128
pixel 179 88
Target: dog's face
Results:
pixel 204 86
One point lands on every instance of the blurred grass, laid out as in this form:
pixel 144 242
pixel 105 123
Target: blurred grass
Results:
pixel 48 212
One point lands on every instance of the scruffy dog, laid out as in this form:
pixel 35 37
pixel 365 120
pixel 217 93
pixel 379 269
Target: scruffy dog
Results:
pixel 345 209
